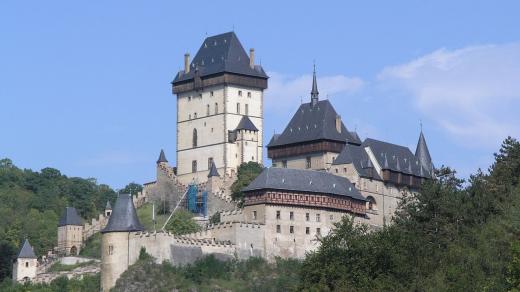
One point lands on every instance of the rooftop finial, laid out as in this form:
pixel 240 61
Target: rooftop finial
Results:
pixel 314 93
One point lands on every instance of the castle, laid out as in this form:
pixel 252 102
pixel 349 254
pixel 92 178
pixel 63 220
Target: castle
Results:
pixel 320 172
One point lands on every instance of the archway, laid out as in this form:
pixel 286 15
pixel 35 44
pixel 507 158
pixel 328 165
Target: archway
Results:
pixel 74 250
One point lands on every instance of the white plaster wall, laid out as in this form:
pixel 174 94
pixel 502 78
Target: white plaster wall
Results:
pixel 20 271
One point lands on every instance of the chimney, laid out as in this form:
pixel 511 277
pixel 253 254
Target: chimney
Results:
pixel 252 58
pixel 186 63
pixel 338 123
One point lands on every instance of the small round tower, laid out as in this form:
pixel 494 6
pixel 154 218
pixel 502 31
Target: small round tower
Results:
pixel 25 266
pixel 115 241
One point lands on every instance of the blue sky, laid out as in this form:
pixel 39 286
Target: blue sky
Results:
pixel 84 85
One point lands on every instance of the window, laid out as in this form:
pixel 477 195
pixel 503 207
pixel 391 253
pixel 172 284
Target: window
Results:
pixel 291 215
pixel 307 217
pixel 291 229
pixel 189 117
pixel 318 231
pixel 307 230
pixel 216 108
pixel 211 93
pixel 249 94
pixel 195 115
pixel 240 93
pixel 317 217
pixel 194 138
pixel 26 264
pixel 194 166
pixel 207 110
pixel 278 229
pixel 254 215
pixel 371 205
pixel 344 169
pixel 336 170
pixel 247 109
pixel 189 98
pixel 210 162
pixel 238 107
pixel 110 249
pixel 277 214
pixel 284 163
pixel 308 163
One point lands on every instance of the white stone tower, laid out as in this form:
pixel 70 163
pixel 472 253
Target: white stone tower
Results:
pixel 220 88
pixel 25 266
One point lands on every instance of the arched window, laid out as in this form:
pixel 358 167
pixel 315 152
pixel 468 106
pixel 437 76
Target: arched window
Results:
pixel 194 137
pixel 371 203
pixel 26 264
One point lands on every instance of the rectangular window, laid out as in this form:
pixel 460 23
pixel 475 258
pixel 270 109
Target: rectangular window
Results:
pixel 238 108
pixel 291 215
pixel 318 231
pixel 284 163
pixel 317 217
pixel 211 93
pixel 207 110
pixel 277 214
pixel 291 229
pixel 110 249
pixel 247 109
pixel 210 162
pixel 240 93
pixel 249 94
pixel 278 229
pixel 254 215
pixel 307 217
pixel 307 230
pixel 194 166
pixel 308 163
pixel 216 108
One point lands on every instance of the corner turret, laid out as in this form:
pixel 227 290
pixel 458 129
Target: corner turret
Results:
pixel 108 209
pixel 25 266
pixel 423 155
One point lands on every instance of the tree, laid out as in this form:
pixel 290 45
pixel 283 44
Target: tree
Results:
pixel 182 223
pixel 246 173
pixel 131 188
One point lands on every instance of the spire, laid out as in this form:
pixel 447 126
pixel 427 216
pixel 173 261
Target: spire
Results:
pixel 314 92
pixel 213 170
pixel 124 217
pixel 162 157
pixel 108 206
pixel 422 153
pixel 26 252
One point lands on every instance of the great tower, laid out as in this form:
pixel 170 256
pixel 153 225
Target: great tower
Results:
pixel 219 108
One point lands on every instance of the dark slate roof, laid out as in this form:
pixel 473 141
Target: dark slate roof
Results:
pixel 70 217
pixel 213 170
pixel 422 153
pixel 246 124
pixel 26 252
pixel 108 206
pixel 124 217
pixel 398 158
pixel 359 157
pixel 311 123
pixel 304 180
pixel 218 54
pixel 162 157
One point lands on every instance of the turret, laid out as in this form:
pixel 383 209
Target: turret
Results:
pixel 70 232
pixel 108 209
pixel 115 241
pixel 25 266
pixel 423 155
pixel 214 180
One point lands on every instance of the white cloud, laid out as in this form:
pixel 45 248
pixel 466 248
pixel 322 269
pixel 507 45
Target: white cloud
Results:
pixel 473 93
pixel 285 91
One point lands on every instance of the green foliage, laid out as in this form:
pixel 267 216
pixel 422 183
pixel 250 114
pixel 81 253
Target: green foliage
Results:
pixel 182 223
pixel 448 237
pixel 32 203
pixel 59 267
pixel 131 188
pixel 143 255
pixel 215 218
pixel 210 274
pixel 246 173
pixel 144 213
pixel 92 247
pixel 86 284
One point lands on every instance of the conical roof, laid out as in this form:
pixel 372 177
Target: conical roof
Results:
pixel 70 217
pixel 213 170
pixel 108 206
pixel 26 252
pixel 124 217
pixel 246 124
pixel 422 153
pixel 162 157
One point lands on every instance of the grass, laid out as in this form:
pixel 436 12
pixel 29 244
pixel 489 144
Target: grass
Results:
pixel 59 267
pixel 92 247
pixel 145 216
